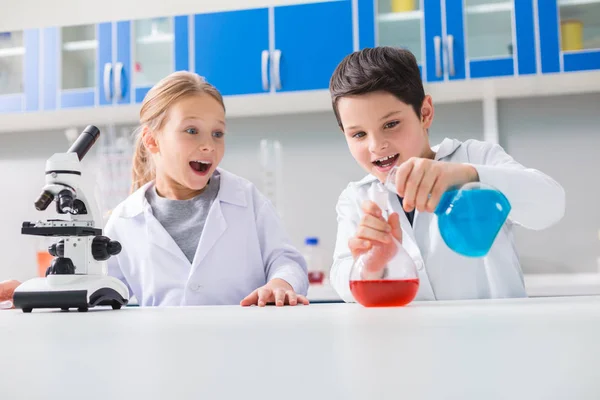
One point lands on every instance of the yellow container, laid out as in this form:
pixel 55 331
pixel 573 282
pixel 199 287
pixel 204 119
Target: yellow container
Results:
pixel 403 5
pixel 571 35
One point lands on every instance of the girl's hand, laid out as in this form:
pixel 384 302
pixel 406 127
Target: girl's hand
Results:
pixel 375 235
pixel 7 288
pixel 275 291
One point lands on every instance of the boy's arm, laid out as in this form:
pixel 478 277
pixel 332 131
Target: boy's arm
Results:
pixel 347 218
pixel 537 200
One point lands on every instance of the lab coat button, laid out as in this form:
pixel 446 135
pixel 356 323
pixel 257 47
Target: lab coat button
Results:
pixel 420 264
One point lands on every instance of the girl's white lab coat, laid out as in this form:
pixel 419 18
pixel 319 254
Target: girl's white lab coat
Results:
pixel 242 246
pixel 537 202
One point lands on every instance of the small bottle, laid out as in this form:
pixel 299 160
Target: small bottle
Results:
pixel 316 274
pixel 469 217
pixel 384 276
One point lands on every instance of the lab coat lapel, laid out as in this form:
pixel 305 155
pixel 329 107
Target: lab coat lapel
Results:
pixel 136 206
pixel 410 244
pixel 158 236
pixel 231 192
pixel 408 235
pixel 214 228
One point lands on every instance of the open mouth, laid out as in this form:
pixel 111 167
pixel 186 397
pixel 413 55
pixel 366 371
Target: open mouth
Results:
pixel 200 167
pixel 385 163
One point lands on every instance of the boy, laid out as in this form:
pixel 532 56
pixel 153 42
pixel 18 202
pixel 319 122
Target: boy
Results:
pixel 381 107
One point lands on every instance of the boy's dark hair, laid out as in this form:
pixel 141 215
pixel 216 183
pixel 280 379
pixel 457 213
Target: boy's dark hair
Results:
pixel 388 69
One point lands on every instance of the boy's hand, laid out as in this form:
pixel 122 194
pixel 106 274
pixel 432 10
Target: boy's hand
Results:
pixel 276 290
pixel 7 288
pixel 376 234
pixel 418 178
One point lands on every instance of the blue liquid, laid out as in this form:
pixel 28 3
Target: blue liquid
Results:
pixel 469 220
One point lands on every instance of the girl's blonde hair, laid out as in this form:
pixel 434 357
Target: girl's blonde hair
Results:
pixel 153 112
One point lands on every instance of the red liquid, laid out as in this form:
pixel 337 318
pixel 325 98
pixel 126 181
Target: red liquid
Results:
pixel 384 293
pixel 316 276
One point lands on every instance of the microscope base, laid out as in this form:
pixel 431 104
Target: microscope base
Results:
pixel 71 291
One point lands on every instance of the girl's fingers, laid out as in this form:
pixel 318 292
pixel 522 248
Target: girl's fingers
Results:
pixel 291 297
pixel 264 295
pixel 251 299
pixel 302 300
pixel 279 297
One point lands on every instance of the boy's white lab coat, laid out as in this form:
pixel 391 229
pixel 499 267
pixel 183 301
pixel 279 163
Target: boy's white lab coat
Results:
pixel 537 202
pixel 243 245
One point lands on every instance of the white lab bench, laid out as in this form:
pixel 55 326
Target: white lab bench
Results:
pixel 536 348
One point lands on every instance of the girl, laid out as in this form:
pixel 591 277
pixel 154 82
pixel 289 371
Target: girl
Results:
pixel 192 233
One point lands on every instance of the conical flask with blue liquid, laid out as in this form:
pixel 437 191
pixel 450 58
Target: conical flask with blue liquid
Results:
pixel 469 217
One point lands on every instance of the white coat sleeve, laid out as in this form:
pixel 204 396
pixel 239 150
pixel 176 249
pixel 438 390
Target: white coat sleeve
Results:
pixel 281 259
pixel 348 219
pixel 114 267
pixel 537 200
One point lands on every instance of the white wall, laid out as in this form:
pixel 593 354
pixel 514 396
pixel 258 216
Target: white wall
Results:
pixel 22 161
pixel 561 137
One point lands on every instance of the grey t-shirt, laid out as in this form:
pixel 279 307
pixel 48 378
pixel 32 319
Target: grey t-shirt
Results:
pixel 184 219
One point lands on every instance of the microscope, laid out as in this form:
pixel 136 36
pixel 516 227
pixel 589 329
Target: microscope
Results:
pixel 77 277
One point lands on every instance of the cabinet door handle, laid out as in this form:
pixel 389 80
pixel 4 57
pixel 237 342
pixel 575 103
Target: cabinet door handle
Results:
pixel 118 87
pixel 437 43
pixel 450 45
pixel 275 69
pixel 107 75
pixel 264 67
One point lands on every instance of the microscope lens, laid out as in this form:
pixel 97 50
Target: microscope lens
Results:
pixel 44 201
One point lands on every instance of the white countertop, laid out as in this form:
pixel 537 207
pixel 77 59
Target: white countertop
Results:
pixel 542 348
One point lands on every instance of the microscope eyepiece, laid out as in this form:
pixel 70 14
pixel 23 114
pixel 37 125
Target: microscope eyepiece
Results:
pixel 44 200
pixel 85 141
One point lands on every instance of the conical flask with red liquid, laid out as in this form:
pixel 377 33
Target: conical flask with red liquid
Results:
pixel 384 276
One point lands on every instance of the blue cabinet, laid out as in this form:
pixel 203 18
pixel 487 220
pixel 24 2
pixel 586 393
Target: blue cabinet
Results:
pixel 488 39
pixel 86 65
pixel 111 63
pixel 19 71
pixel 71 70
pixel 433 39
pixel 457 40
pixel 232 50
pixel 310 41
pixel 160 47
pixel 569 35
pixel 114 64
pixel 287 48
